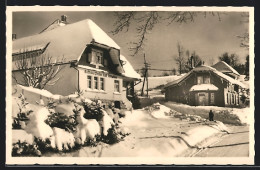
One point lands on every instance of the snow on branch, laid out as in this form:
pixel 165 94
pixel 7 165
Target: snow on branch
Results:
pixel 144 22
pixel 38 71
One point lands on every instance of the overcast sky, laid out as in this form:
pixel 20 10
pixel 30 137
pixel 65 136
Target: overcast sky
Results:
pixel 208 36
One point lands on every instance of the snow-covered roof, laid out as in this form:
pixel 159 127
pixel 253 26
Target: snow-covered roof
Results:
pixel 128 68
pixel 30 48
pixel 206 68
pixel 68 41
pixel 202 87
pixel 224 68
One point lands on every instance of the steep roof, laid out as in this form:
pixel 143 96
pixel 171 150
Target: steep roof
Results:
pixel 208 68
pixel 224 68
pixel 68 41
pixel 128 68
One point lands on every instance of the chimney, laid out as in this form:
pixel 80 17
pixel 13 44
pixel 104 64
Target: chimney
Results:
pixel 13 36
pixel 64 18
pixel 192 62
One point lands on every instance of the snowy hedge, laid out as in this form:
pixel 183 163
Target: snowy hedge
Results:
pixel 67 126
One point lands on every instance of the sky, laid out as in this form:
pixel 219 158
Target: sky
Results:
pixel 207 36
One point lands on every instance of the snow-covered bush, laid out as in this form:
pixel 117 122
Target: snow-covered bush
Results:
pixel 61 120
pixel 86 128
pixel 22 112
pixel 112 136
pixel 37 126
pixel 23 148
pixel 64 140
pixel 93 110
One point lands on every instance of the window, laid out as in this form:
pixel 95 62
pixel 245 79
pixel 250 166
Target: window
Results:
pixel 206 80
pixel 227 98
pixel 89 82
pixel 116 85
pixel 199 80
pixel 95 83
pixel 102 85
pixel 96 57
pixel 212 98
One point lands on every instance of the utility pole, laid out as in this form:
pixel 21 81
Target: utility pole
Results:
pixel 146 67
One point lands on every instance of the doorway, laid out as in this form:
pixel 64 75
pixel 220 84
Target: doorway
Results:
pixel 202 99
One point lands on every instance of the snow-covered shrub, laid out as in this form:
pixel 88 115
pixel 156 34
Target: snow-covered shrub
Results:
pixel 64 140
pixel 105 122
pixel 62 121
pixel 22 112
pixel 228 117
pixel 37 125
pixel 23 148
pixel 43 145
pixel 112 136
pixel 93 110
pixel 86 128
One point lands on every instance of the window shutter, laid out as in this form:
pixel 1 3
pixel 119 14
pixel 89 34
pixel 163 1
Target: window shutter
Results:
pixel 105 62
pixel 89 57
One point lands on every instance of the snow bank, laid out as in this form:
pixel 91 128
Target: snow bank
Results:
pixel 22 136
pixel 236 116
pixel 162 112
pixel 33 94
pixel 135 118
pixel 198 134
pixel 36 125
pixel 63 139
pixel 243 114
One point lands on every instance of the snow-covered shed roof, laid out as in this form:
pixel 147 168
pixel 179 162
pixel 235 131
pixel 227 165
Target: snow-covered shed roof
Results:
pixel 68 41
pixel 223 67
pixel 202 87
pixel 206 68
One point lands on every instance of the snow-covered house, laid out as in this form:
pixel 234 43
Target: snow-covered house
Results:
pixel 223 67
pixel 205 85
pixel 91 60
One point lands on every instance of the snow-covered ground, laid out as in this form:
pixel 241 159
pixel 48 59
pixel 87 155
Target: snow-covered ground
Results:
pixel 152 135
pixel 242 113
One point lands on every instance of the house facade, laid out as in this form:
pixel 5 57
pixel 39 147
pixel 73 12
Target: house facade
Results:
pixel 203 86
pixel 88 59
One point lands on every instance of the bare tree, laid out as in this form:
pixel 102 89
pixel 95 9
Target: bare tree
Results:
pixel 180 60
pixel 145 22
pixel 245 36
pixel 37 71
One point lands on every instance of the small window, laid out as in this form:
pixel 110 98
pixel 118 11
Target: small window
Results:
pixel 116 88
pixel 212 98
pixel 199 80
pixel 97 57
pixel 89 82
pixel 95 83
pixel 102 85
pixel 206 80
